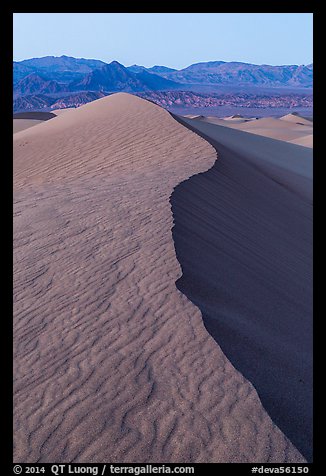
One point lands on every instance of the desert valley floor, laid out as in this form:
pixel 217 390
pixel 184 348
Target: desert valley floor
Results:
pixel 162 287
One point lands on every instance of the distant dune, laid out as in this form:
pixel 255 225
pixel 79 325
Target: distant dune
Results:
pixel 111 361
pixel 305 141
pixel 289 128
pixel 21 124
pixel 24 120
pixel 277 128
pixel 296 119
pixel 235 118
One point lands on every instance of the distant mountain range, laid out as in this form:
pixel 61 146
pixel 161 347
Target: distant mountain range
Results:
pixel 41 80
pixel 170 100
pixel 62 68
pixel 33 83
pixel 235 73
pixel 115 77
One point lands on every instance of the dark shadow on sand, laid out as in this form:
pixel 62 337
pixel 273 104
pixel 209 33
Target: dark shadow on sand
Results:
pixel 38 115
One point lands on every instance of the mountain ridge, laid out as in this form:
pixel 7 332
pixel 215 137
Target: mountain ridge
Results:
pixel 210 72
pixel 40 81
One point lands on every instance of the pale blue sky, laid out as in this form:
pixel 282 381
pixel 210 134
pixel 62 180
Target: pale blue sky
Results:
pixel 171 39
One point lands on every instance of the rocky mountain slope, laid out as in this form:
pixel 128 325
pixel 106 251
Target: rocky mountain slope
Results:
pixel 220 72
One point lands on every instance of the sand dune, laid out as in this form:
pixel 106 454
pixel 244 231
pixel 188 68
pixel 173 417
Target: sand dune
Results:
pixel 289 128
pixel 276 128
pixel 111 361
pixel 213 120
pixel 24 120
pixel 57 112
pixel 305 141
pixel 243 237
pixel 236 118
pixel 286 163
pixel 194 116
pixel 21 124
pixel 296 119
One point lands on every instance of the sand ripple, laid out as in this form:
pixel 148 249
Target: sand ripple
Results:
pixel 111 361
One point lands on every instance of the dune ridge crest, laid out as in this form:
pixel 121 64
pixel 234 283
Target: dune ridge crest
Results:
pixel 111 361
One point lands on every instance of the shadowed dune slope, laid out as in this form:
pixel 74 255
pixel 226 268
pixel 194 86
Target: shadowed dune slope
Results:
pixel 37 115
pixel 286 163
pixel 111 361
pixel 243 237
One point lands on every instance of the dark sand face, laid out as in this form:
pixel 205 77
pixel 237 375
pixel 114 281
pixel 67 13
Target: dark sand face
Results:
pixel 39 115
pixel 243 237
